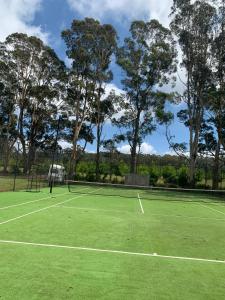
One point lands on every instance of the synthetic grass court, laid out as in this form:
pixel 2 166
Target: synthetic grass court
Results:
pixel 93 246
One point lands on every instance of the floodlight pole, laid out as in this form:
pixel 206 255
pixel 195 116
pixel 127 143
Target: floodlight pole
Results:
pixel 54 150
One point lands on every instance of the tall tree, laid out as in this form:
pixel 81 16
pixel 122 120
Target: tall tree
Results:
pixel 38 72
pixel 193 25
pixel 103 110
pixel 216 95
pixel 8 119
pixel 148 58
pixel 90 46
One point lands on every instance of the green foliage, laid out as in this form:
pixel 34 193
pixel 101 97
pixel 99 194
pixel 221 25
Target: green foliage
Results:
pixel 194 23
pixel 147 59
pixel 182 177
pixel 154 175
pixel 199 175
pixel 90 46
pixel 143 170
pixel 169 174
pixel 123 168
pixel 36 83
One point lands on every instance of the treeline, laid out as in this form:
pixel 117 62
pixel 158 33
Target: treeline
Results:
pixel 40 96
pixel 164 171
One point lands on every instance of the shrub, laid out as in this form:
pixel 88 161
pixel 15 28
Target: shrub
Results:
pixel 183 177
pixel 169 174
pixel 199 175
pixel 153 175
pixel 90 177
pixel 15 169
pixel 143 170
pixel 123 168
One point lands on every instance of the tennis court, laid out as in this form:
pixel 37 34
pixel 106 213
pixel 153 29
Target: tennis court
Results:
pixel 98 242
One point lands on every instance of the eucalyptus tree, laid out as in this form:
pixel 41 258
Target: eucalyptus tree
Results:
pixel 102 111
pixel 8 120
pixel 38 72
pixel 85 136
pixel 214 137
pixel 148 59
pixel 90 46
pixel 211 147
pixel 193 24
pixel 110 147
pixel 8 134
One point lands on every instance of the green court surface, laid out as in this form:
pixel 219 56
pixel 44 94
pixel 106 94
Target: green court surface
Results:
pixel 95 245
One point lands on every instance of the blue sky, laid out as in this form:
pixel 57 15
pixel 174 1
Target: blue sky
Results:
pixel 47 18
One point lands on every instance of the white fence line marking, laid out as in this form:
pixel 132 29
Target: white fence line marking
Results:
pixel 142 209
pixel 41 209
pixel 14 205
pixel 213 209
pixel 115 251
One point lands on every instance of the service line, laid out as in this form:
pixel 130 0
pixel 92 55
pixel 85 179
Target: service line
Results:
pixel 139 199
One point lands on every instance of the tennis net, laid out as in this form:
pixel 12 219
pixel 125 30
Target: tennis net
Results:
pixel 148 193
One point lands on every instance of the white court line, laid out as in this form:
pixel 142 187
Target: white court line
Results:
pixel 90 208
pixel 213 209
pixel 115 251
pixel 142 209
pixel 130 212
pixel 14 205
pixel 44 208
pixel 189 217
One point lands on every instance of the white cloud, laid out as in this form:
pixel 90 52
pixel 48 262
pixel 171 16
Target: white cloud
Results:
pixel 123 9
pixel 65 144
pixel 170 152
pixel 111 86
pixel 17 16
pixel 145 149
pixel 124 149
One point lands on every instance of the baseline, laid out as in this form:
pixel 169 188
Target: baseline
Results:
pixel 115 251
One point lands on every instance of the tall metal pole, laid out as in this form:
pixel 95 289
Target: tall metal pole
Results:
pixel 54 150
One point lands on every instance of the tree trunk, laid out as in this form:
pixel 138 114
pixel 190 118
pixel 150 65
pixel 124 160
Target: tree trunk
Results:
pixel 98 141
pixel 22 140
pixel 30 158
pixel 192 167
pixel 5 158
pixel 74 155
pixel 97 170
pixel 216 167
pixel 194 141
pixel 133 161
